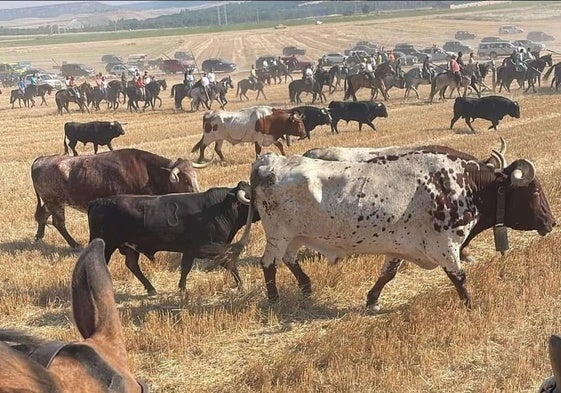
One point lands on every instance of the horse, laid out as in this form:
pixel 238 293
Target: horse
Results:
pixel 98 363
pixel 119 86
pixel 296 87
pixel 27 96
pixel 444 80
pixel 43 89
pixel 216 92
pixel 179 91
pixel 389 81
pixel 155 86
pixel 244 85
pixel 507 73
pixel 334 74
pixel 368 80
pixel 64 96
pixel 556 69
pixel 413 78
pixel 264 75
pixel 280 70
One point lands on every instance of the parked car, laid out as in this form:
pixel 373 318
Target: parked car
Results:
pixel 172 66
pixel 408 49
pixel 406 59
pixel 510 29
pixel 293 50
pixel 261 59
pixel 300 63
pixel 137 60
pixel 436 54
pixel 44 78
pixel 333 58
pixel 534 46
pixel 118 69
pixel 356 57
pixel 456 46
pixel 218 65
pixel 111 59
pixel 368 46
pixel 280 26
pixel 464 35
pixel 495 49
pixel 492 39
pixel 182 55
pixel 540 36
pixel 76 69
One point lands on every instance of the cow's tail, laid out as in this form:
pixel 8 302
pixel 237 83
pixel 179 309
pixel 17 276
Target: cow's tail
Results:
pixel 228 254
pixel 65 145
pixel 548 73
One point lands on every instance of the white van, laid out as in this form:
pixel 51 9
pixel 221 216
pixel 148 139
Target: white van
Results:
pixel 496 49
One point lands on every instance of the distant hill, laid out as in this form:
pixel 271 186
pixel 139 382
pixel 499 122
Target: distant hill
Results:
pixel 51 11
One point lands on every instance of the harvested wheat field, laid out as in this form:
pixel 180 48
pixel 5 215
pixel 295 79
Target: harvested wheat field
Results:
pixel 216 339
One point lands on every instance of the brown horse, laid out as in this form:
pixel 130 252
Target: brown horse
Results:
pixel 27 96
pixel 97 364
pixel 368 80
pixel 43 89
pixel 244 85
pixel 63 97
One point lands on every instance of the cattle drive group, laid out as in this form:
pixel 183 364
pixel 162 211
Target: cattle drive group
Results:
pixel 424 204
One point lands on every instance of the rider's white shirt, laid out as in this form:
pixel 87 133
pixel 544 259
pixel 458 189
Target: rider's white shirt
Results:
pixel 265 64
pixel 211 77
pixel 204 81
pixel 309 72
pixel 147 80
pixel 189 78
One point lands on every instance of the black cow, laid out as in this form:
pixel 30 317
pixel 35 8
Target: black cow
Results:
pixel 313 116
pixel 177 222
pixel 361 111
pixel 492 108
pixel 97 132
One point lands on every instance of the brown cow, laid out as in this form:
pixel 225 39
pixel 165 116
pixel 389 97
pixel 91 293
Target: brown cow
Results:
pixel 75 181
pixel 261 125
pixel 97 364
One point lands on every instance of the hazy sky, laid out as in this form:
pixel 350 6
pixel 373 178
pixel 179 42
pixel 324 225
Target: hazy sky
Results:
pixel 23 4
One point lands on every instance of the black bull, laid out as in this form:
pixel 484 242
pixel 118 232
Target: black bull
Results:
pixel 183 223
pixel 96 132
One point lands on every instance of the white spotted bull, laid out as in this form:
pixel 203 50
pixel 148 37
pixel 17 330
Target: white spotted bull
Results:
pixel 420 205
pixel 261 125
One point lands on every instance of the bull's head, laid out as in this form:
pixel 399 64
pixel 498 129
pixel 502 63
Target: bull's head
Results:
pixel 514 110
pixel 183 176
pixel 117 128
pixel 325 116
pixel 527 207
pixel 241 197
pixel 296 126
pixel 380 110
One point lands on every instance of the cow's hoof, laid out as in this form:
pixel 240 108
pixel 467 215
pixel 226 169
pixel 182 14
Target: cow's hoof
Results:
pixel 373 308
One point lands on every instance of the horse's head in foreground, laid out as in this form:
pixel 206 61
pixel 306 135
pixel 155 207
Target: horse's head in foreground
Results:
pixel 96 364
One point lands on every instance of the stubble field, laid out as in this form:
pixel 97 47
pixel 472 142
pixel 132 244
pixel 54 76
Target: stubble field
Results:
pixel 215 339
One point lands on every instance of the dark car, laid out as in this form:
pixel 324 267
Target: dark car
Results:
pixel 171 66
pixel 539 36
pixel 293 50
pixel 300 62
pixel 111 59
pixel 260 60
pixel 464 35
pixel 75 69
pixel 218 65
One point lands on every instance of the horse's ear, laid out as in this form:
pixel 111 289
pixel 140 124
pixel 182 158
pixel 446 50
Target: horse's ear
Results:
pixel 93 298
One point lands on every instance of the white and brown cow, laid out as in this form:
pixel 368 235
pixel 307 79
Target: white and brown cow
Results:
pixel 420 205
pixel 261 125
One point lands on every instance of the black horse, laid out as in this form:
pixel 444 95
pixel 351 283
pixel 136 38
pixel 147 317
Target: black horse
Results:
pixel 508 72
pixel 27 96
pixel 152 91
pixel 298 86
pixel 65 96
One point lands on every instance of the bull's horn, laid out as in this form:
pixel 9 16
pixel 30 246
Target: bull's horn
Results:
pixel 242 198
pixel 124 124
pixel 523 174
pixel 200 165
pixel 503 146
pixel 555 358
pixel 173 175
pixel 500 159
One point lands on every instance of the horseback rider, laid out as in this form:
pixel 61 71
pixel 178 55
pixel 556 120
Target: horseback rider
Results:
pixel 308 75
pixel 471 59
pixel 146 78
pixel 265 64
pixel 98 81
pixel 124 79
pixel 252 76
pixel 369 69
pixel 142 87
pixel 211 77
pixel 528 56
pixel 21 85
pixel 426 72
pixel 103 87
pixel 398 70
pixel 454 69
pixel 519 61
pixel 459 60
pixel 205 83
pixel 188 79
pixel 33 79
pixel 74 87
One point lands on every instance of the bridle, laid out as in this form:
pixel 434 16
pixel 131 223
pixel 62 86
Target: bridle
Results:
pixel 45 354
